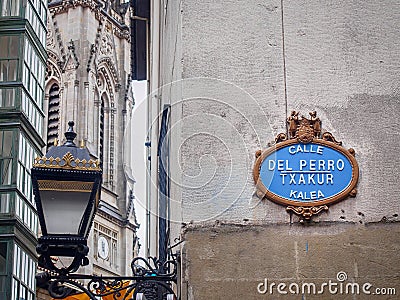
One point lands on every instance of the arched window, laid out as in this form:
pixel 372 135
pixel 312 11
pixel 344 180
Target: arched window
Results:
pixel 53 116
pixel 106 126
pixel 104 140
pixel 101 133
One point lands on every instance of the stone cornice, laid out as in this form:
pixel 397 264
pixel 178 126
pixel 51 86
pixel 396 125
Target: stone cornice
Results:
pixel 116 221
pixel 120 29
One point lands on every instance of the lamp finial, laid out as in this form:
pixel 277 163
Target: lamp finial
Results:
pixel 70 135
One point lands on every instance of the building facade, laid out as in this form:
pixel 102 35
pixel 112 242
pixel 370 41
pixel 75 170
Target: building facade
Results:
pixel 88 80
pixel 80 71
pixel 231 72
pixel 22 75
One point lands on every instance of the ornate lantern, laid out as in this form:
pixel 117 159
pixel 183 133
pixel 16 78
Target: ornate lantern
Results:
pixel 66 185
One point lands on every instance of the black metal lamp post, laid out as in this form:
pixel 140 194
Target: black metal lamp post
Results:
pixel 67 185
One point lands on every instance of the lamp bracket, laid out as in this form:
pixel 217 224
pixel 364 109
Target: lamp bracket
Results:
pixel 151 279
pixel 62 246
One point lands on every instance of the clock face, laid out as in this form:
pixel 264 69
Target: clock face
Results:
pixel 102 247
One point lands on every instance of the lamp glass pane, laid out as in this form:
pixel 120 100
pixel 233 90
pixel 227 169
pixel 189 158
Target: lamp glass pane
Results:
pixel 63 211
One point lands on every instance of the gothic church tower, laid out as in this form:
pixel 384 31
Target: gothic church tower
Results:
pixel 88 81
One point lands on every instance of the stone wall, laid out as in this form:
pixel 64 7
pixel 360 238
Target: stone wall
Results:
pixel 244 66
pixel 227 261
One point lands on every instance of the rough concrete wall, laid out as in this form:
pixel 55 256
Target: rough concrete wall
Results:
pixel 231 261
pixel 245 65
pixel 261 59
pixel 234 103
pixel 342 60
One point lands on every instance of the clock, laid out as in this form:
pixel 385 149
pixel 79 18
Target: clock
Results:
pixel 103 247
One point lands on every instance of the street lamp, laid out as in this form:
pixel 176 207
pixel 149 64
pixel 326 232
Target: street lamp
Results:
pixel 66 185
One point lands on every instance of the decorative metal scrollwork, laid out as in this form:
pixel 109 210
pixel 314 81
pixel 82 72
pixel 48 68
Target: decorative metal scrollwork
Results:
pixel 151 278
pixel 307 213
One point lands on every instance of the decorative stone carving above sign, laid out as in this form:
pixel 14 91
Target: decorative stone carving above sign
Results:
pixel 306 170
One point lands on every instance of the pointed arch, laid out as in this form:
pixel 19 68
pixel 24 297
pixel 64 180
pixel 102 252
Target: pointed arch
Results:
pixel 53 115
pixel 106 66
pixel 106 90
pixel 103 103
pixel 53 71
pixel 52 99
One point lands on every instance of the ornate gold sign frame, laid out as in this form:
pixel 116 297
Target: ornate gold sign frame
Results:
pixel 305 131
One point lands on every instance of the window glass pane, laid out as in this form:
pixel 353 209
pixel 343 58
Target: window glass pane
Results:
pixel 22 263
pixel 15 8
pixel 5 8
pixel 15 290
pixel 3 70
pixel 11 97
pixel 3 285
pixel 14 45
pixel 29 12
pixel 12 70
pixel 29 53
pixel 5 203
pixel 44 12
pixel 26 50
pixel 32 86
pixel 24 273
pixel 8 69
pixel 31 278
pixel 3 46
pixel 26 76
pixel 25 213
pixel 24 270
pixel 10 7
pixel 33 80
pixel 3 96
pixel 3 257
pixel 34 64
pixel 6 157
pixel 22 293
pixel 18 206
pixel 6 171
pixel 7 143
pixel 7 97
pixel 21 147
pixel 17 253
pixel 9 46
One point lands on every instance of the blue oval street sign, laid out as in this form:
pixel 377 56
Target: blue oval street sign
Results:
pixel 306 174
